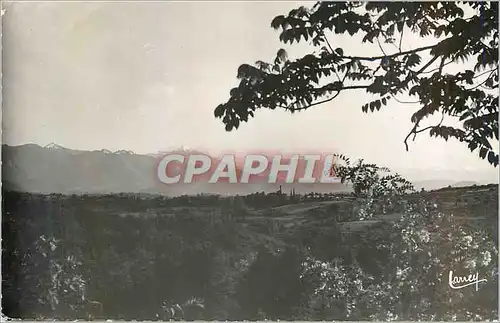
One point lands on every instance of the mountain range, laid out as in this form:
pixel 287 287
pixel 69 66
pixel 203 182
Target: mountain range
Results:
pixel 56 169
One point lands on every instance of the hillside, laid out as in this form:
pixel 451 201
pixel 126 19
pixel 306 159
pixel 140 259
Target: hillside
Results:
pixel 241 255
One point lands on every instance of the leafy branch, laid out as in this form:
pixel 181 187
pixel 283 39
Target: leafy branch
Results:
pixel 319 77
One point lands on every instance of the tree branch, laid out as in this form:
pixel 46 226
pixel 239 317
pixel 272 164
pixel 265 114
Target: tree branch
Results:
pixel 409 77
pixel 414 131
pixel 331 51
pixel 404 102
pixel 354 87
pixel 437 68
pixel 336 94
pixel 375 58
pixel 401 38
pixel 318 103
pixel 441 65
pixel 380 46
pixel 481 84
pixel 429 127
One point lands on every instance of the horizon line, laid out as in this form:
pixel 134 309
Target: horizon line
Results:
pixel 212 153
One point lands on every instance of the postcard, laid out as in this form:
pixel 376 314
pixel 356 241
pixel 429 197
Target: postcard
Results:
pixel 250 161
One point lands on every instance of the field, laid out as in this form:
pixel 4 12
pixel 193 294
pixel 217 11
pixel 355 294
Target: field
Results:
pixel 247 257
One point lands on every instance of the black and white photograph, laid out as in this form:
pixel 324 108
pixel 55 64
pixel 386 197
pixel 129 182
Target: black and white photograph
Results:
pixel 249 161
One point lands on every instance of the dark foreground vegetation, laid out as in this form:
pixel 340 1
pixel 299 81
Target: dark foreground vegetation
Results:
pixel 214 258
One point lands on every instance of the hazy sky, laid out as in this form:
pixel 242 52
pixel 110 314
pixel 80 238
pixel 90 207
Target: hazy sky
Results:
pixel 147 77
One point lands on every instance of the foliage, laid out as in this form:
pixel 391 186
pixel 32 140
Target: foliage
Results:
pixel 423 247
pixel 416 276
pixel 189 310
pixel 464 33
pixel 66 292
pixel 376 189
pixel 238 267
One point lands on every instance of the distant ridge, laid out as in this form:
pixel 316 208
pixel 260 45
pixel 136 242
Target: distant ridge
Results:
pixel 57 169
pixel 437 184
pixel 54 146
pixel 183 150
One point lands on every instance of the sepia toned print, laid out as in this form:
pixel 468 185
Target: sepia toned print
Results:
pixel 214 161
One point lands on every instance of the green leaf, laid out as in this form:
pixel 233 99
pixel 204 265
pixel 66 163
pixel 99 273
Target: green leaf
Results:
pixel 472 146
pixel 219 111
pixel 492 157
pixel 277 22
pixel 390 30
pixel 413 60
pixel 370 36
pixel 482 152
pixel 464 115
pixel 282 55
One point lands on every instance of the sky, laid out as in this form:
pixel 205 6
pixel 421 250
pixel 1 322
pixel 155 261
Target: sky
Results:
pixel 147 76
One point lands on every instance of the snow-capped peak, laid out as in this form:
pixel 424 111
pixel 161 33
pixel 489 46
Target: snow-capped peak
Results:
pixel 53 145
pixel 124 152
